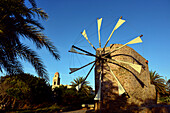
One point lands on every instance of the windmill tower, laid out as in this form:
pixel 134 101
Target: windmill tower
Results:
pixel 137 89
pixel 121 74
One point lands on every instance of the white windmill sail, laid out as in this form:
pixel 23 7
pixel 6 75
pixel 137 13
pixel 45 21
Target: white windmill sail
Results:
pixel 119 23
pixel 99 22
pixel 85 36
pixel 120 87
pixel 134 66
pixel 98 95
pixel 134 41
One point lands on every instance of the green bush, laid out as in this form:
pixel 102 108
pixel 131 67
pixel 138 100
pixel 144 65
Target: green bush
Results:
pixel 71 98
pixel 165 99
pixel 22 89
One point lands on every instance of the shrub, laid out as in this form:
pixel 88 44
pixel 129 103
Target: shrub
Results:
pixel 21 89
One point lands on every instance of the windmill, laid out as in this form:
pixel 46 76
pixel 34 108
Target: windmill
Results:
pixel 102 56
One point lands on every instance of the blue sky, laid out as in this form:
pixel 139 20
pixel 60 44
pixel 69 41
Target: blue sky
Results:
pixel 67 18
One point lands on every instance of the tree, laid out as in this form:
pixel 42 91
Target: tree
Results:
pixel 24 89
pixel 168 86
pixel 70 98
pixel 85 88
pixel 18 21
pixel 65 96
pixel 158 82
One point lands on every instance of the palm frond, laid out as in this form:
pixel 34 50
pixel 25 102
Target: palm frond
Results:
pixel 24 52
pixel 33 3
pixel 11 67
pixel 159 82
pixel 85 88
pixel 17 21
pixel 40 13
pixel 39 39
pixel 52 49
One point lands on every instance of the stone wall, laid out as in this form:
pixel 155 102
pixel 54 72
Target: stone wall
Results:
pixel 137 85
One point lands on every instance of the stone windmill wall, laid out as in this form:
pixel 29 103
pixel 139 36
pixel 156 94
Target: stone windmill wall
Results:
pixel 137 85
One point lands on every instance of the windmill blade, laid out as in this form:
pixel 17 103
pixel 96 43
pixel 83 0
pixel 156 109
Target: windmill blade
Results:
pixel 80 85
pixel 74 51
pixel 134 66
pixel 119 23
pixel 134 41
pixel 98 95
pixel 76 69
pixel 89 71
pixel 85 36
pixel 120 87
pixel 99 22
pixel 73 69
pixel 140 82
pixel 84 51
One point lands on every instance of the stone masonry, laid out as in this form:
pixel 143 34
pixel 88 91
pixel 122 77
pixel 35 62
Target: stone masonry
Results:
pixel 137 85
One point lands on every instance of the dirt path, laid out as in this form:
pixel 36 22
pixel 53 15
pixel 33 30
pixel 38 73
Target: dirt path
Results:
pixel 78 111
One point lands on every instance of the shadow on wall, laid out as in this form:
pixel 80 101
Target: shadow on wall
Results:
pixel 113 103
pixel 136 84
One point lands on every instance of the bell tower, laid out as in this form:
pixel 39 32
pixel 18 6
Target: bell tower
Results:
pixel 56 80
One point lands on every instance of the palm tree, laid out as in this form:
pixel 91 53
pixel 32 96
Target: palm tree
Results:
pixel 18 21
pixel 156 80
pixel 168 86
pixel 85 88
